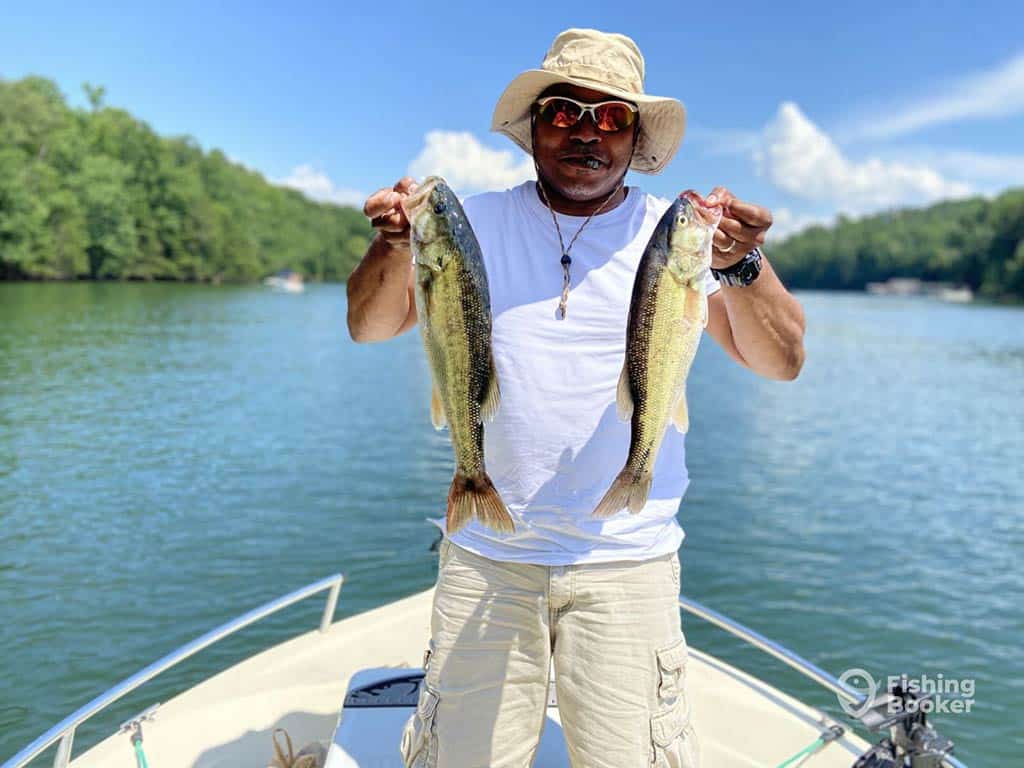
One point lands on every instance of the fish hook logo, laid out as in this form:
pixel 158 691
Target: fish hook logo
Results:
pixel 859 681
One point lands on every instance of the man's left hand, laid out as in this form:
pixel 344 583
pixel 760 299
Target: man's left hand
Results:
pixel 742 228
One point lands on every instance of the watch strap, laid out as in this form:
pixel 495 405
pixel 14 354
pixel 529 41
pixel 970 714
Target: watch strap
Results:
pixel 743 272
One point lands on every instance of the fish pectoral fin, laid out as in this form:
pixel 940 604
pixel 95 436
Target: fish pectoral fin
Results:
pixel 623 395
pixel 492 400
pixel 681 414
pixel 437 417
pixel 434 268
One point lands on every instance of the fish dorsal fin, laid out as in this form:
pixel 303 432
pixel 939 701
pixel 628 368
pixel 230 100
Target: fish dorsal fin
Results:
pixel 489 407
pixel 624 396
pixel 437 417
pixel 680 413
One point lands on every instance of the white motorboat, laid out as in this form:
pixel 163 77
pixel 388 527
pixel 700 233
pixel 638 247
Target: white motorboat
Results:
pixel 959 295
pixel 352 684
pixel 285 281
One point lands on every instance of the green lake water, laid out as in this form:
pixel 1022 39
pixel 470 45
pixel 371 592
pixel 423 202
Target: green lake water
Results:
pixel 172 456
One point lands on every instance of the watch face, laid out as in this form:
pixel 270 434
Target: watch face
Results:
pixel 742 273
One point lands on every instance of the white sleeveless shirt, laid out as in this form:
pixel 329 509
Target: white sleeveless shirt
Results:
pixel 556 443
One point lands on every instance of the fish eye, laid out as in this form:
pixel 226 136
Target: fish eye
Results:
pixel 440 207
pixel 683 220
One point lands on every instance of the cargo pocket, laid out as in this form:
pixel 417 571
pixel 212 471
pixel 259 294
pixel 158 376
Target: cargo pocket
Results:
pixel 673 740
pixel 672 670
pixel 419 737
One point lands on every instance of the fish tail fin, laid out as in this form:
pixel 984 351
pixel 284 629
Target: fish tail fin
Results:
pixel 476 496
pixel 630 489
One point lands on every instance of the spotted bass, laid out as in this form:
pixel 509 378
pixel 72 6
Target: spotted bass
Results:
pixel 667 315
pixel 454 311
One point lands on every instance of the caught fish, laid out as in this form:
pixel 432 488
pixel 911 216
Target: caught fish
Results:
pixel 667 314
pixel 454 308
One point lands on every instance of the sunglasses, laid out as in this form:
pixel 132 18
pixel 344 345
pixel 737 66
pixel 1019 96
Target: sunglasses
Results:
pixel 608 116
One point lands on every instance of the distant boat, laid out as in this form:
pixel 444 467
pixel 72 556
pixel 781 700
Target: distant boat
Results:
pixel 957 295
pixel 911 286
pixel 898 286
pixel 286 281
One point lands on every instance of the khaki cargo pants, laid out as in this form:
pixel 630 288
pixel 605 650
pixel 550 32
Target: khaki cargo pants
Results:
pixel 619 657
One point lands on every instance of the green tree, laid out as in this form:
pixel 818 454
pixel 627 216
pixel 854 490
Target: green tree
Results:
pixel 97 194
pixel 95 94
pixel 975 242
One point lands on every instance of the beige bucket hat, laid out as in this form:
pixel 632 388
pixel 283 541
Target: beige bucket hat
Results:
pixel 605 62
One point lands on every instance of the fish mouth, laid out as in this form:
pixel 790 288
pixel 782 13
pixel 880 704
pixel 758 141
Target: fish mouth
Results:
pixel 709 214
pixel 412 204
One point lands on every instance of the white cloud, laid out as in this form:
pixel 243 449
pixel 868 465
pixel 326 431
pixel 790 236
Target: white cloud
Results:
pixel 317 185
pixel 801 159
pixel 467 165
pixel 1001 169
pixel 786 222
pixel 806 162
pixel 996 93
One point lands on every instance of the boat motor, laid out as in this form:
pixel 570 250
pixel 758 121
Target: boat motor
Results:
pixel 912 741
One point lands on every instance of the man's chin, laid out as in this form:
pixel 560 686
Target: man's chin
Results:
pixel 584 185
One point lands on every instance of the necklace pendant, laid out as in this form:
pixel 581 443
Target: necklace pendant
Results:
pixel 566 260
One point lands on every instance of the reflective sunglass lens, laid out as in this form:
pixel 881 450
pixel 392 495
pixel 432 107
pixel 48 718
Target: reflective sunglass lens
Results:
pixel 609 117
pixel 614 117
pixel 561 113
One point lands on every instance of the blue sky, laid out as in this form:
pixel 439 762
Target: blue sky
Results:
pixel 808 108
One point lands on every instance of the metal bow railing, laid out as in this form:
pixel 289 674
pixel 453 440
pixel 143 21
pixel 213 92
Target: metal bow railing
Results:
pixel 786 656
pixel 64 731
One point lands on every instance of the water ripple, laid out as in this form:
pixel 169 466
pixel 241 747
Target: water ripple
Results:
pixel 171 456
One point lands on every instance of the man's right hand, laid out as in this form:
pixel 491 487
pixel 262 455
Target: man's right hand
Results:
pixel 381 289
pixel 384 210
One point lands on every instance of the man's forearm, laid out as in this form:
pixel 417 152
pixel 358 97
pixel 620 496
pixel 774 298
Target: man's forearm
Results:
pixel 767 325
pixel 378 292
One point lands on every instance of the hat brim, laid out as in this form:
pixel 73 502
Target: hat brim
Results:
pixel 662 119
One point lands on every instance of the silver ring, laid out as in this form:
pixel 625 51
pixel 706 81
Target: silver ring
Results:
pixel 731 246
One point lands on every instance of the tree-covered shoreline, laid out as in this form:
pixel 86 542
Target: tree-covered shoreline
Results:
pixel 977 242
pixel 97 195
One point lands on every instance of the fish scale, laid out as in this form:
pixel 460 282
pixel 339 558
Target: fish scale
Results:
pixel 664 317
pixel 454 313
pixel 668 312
pixel 460 369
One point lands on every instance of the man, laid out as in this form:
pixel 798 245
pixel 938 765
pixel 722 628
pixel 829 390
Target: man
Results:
pixel 596 596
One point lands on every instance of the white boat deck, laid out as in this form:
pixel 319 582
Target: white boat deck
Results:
pixel 227 721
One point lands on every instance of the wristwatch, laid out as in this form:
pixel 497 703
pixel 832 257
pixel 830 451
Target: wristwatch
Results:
pixel 743 272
